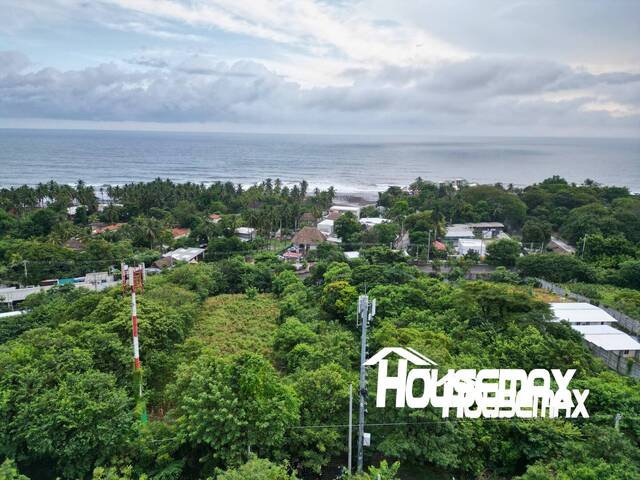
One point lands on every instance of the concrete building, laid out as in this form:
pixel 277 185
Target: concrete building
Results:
pixel 466 245
pixel 619 351
pixel 189 255
pixel 457 231
pixel 580 313
pixel 370 222
pixel 326 226
pixel 246 234
pixel 346 208
pixel 487 229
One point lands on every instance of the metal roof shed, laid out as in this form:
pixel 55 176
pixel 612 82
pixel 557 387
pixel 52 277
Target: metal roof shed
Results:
pixel 581 313
pixel 597 330
pixel 611 343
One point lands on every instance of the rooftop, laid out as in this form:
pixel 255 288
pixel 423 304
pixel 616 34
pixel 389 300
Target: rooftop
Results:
pixel 308 236
pixel 373 220
pixel 185 254
pixel 486 225
pixel 613 342
pixel 459 230
pixel 607 337
pixel 580 312
pixel 345 208
pixel 180 232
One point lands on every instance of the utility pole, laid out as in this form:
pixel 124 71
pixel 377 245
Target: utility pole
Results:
pixel 26 275
pixel 584 244
pixel 366 312
pixel 617 419
pixel 428 246
pixel 350 440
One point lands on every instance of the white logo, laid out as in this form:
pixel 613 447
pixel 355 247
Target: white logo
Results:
pixel 489 393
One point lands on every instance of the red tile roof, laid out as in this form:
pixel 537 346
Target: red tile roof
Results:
pixel 439 246
pixel 180 232
pixel 107 228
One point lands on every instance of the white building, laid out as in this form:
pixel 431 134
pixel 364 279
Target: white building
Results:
pixel 370 222
pixel 246 234
pixel 352 255
pixel 466 245
pixel 345 209
pixel 457 231
pixel 580 313
pixel 189 255
pixel 488 229
pixel 326 227
pixel 611 342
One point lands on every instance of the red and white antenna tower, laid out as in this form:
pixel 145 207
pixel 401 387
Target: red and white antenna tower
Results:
pixel 134 277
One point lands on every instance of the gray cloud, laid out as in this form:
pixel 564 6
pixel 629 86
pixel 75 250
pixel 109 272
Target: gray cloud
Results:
pixel 464 96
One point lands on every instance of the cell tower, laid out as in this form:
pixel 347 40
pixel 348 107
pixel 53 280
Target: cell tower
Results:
pixel 133 281
pixel 366 312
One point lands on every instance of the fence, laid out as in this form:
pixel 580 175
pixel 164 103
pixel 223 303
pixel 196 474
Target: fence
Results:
pixel 614 360
pixel 626 322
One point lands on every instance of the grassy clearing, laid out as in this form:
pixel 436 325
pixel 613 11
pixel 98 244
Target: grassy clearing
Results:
pixel 234 324
pixel 547 297
pixel 626 300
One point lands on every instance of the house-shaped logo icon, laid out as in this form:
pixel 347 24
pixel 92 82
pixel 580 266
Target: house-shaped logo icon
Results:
pixel 408 354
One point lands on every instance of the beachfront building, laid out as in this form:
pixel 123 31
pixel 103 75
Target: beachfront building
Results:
pixel 326 226
pixel 307 239
pixel 344 209
pixel 246 234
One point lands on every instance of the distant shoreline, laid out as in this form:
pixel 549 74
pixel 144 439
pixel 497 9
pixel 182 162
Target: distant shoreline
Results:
pixel 353 165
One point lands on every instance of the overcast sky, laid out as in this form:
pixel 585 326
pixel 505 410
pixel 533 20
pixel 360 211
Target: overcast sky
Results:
pixel 459 67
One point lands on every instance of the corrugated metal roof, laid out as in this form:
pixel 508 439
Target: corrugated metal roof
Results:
pixel 459 230
pixel 580 313
pixel 613 342
pixel 597 330
pixel 185 254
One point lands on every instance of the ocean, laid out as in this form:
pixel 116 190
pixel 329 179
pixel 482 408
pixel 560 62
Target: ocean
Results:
pixel 352 164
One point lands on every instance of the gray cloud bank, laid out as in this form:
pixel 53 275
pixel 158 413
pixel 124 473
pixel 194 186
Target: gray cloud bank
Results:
pixel 480 94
